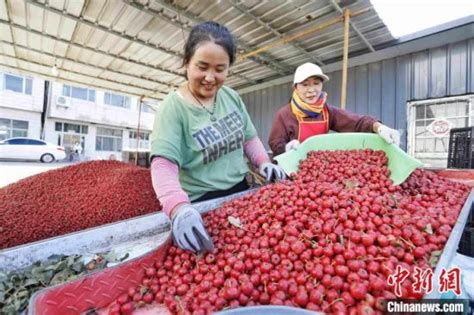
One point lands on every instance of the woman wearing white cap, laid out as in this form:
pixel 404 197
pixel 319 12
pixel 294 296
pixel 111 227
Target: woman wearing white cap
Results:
pixel 308 115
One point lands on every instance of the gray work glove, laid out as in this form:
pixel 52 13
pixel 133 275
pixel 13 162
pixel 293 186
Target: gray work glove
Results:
pixel 271 172
pixel 389 135
pixel 292 145
pixel 188 230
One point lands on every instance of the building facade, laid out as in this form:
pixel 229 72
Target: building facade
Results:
pixel 103 122
pixel 21 106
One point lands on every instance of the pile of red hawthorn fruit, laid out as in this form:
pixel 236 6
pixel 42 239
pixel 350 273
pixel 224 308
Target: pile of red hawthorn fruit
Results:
pixel 326 240
pixel 72 199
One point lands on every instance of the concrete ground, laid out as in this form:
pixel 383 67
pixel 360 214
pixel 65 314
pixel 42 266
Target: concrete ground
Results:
pixel 11 172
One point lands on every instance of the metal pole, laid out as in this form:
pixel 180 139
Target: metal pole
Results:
pixel 140 101
pixel 347 17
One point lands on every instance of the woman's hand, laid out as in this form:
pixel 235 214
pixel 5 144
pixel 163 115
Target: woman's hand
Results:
pixel 292 145
pixel 188 229
pixel 271 172
pixel 388 134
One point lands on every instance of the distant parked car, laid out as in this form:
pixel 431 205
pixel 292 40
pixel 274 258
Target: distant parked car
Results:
pixel 30 149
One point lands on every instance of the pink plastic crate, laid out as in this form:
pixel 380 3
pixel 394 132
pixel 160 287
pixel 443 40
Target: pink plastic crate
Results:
pixel 96 290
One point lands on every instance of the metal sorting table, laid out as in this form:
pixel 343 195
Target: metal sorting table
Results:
pixel 139 236
pixel 451 245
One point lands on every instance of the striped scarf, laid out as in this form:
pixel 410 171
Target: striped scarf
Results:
pixel 303 110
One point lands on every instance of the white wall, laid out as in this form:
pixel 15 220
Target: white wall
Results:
pixel 90 147
pixel 26 102
pixel 33 118
pixel 99 113
pixel 20 106
pixel 49 133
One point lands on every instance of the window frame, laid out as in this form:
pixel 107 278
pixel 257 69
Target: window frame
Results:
pixel 109 100
pixel 144 142
pixel 26 84
pixel 68 91
pixel 11 130
pixel 117 141
pixel 83 129
pixel 147 107
pixel 412 126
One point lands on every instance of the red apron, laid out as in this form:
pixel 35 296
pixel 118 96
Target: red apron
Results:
pixel 312 128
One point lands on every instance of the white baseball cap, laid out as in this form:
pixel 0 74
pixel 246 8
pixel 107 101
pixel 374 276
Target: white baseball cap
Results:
pixel 307 70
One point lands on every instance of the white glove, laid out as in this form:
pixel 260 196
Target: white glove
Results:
pixel 188 230
pixel 292 145
pixel 271 172
pixel 389 135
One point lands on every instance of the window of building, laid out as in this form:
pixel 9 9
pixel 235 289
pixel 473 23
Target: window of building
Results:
pixel 79 93
pixel 74 128
pixel 144 140
pixel 13 128
pixel 428 143
pixel 71 128
pixel 28 86
pixel 108 139
pixel 18 84
pixel 116 100
pixel 148 107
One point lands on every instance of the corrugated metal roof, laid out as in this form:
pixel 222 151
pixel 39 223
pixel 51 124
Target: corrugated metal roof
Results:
pixel 136 46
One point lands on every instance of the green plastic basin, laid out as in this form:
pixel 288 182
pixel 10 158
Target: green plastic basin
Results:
pixel 401 165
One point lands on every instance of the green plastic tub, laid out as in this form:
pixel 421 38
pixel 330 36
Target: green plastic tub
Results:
pixel 400 163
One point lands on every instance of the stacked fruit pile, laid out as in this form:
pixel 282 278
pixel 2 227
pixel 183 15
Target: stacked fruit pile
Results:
pixel 72 199
pixel 326 241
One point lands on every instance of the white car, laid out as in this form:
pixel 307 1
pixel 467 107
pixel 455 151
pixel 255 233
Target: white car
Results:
pixel 31 149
